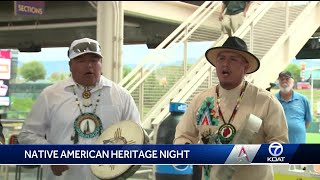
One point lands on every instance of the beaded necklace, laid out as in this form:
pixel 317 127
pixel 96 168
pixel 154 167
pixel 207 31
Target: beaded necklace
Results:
pixel 84 122
pixel 86 95
pixel 227 131
pixel 78 102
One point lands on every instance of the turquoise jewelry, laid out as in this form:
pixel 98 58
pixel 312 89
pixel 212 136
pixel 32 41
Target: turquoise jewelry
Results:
pixel 87 125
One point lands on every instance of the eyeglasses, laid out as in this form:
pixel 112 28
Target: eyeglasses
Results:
pixel 86 46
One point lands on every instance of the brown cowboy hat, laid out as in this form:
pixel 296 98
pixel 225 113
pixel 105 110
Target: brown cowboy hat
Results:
pixel 236 45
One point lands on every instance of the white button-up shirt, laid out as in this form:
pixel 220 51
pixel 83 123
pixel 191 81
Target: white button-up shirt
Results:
pixel 53 115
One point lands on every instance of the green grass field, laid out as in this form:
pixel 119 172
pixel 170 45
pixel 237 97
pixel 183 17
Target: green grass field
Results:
pixel 313 138
pixel 316 97
pixel 307 93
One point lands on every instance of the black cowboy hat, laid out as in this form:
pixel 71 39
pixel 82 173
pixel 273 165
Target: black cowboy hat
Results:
pixel 237 45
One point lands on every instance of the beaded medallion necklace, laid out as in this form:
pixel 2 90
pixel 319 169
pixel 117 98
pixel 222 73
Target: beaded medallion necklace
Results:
pixel 86 125
pixel 227 131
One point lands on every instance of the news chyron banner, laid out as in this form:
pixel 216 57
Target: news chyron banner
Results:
pixel 274 153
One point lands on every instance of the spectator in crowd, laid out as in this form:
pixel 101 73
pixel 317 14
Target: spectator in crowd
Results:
pixel 232 15
pixel 296 107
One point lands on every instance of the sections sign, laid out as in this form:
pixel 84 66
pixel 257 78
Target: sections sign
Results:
pixel 27 8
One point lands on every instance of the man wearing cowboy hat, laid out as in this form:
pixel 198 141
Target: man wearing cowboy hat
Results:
pixel 219 114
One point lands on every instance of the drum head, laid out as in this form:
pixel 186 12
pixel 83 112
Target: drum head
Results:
pixel 124 132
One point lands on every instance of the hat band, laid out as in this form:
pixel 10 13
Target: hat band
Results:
pixel 86 46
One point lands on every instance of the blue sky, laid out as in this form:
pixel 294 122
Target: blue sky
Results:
pixel 46 54
pixel 56 59
pixel 132 55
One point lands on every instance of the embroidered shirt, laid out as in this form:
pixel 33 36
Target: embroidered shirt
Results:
pixel 256 101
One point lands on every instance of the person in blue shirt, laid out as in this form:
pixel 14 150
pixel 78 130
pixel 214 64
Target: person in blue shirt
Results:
pixel 296 107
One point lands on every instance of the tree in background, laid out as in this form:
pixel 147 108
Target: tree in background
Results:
pixel 32 71
pixel 295 71
pixel 126 70
pixel 20 107
pixel 58 76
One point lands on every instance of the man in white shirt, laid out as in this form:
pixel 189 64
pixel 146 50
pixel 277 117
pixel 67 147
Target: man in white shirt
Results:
pixel 86 99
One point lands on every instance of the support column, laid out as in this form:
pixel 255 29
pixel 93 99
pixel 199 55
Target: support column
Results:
pixel 110 36
pixel 120 39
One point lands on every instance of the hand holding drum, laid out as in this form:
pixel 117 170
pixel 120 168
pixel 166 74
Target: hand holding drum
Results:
pixel 124 132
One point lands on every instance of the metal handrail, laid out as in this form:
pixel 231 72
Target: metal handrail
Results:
pixel 136 79
pixel 199 71
pixel 158 116
pixel 172 38
pixel 12 120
